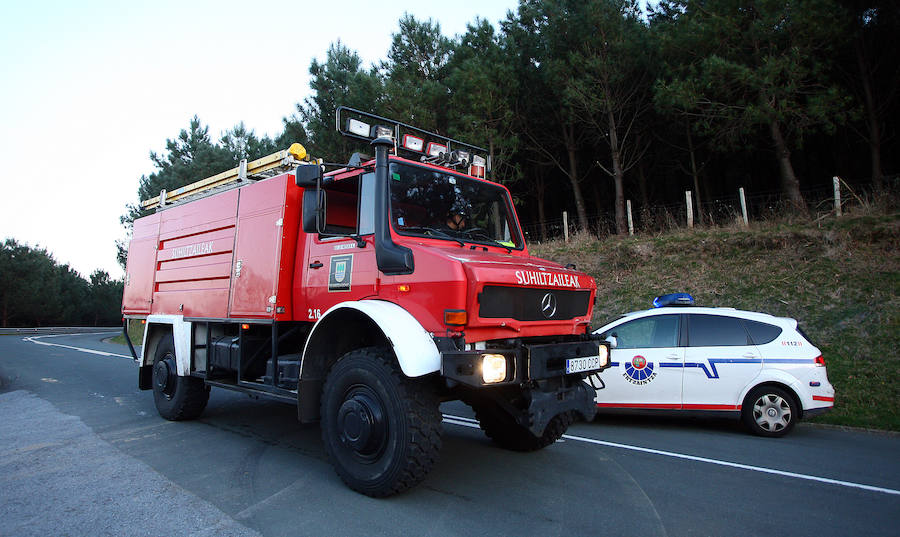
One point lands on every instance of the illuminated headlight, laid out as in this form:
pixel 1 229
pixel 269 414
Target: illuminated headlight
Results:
pixel 493 368
pixel 358 128
pixel 604 356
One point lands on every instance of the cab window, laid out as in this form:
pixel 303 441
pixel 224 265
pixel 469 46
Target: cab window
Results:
pixel 350 206
pixel 657 331
pixel 716 331
pixel 341 198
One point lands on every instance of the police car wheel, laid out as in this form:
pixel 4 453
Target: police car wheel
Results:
pixel 770 411
pixel 177 398
pixel 381 429
pixel 502 428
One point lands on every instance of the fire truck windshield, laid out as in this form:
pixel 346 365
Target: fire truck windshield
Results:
pixel 429 203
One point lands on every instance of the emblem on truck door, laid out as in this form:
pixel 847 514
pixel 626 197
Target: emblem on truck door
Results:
pixel 340 274
pixel 548 305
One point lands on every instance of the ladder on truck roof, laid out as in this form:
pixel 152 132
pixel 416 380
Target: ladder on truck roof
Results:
pixel 261 168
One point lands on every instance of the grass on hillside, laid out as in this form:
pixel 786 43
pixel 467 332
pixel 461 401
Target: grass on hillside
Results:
pixel 839 278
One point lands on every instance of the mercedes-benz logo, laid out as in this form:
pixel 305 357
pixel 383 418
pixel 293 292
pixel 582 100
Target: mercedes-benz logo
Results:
pixel 548 305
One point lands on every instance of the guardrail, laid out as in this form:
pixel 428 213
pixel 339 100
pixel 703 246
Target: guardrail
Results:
pixel 58 330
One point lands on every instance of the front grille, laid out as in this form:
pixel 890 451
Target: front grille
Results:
pixel 529 304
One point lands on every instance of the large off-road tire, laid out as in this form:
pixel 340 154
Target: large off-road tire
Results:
pixel 770 411
pixel 500 427
pixel 177 398
pixel 381 429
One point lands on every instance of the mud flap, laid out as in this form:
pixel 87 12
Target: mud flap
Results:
pixel 544 406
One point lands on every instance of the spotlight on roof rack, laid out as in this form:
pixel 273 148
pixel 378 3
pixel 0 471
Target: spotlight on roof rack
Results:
pixel 673 299
pixel 379 131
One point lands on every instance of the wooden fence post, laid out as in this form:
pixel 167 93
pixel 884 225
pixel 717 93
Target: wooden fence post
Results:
pixel 690 209
pixel 744 207
pixel 837 196
pixel 566 225
pixel 630 222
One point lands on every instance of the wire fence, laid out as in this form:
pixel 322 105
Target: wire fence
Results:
pixel 722 211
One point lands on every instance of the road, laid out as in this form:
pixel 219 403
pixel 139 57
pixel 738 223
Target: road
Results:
pixel 83 451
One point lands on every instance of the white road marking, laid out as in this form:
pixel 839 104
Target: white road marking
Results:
pixel 34 339
pixel 468 422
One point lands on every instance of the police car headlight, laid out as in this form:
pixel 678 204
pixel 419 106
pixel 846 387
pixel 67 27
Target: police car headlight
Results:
pixel 493 368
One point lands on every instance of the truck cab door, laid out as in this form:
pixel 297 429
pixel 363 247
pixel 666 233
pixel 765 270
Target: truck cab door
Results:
pixel 337 269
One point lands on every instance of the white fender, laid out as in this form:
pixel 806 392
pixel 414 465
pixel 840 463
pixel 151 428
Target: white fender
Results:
pixel 413 346
pixel 780 377
pixel 181 330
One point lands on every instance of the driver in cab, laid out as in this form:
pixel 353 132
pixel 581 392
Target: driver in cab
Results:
pixel 456 221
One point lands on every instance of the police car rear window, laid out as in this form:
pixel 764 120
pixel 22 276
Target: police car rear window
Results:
pixel 716 331
pixel 762 333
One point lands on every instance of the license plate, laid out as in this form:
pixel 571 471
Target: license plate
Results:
pixel 578 365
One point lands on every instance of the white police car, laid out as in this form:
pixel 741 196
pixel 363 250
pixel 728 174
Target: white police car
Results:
pixel 718 361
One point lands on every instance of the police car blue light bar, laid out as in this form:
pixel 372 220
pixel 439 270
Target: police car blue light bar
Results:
pixel 673 299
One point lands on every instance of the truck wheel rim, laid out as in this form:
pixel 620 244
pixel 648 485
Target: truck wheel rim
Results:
pixel 164 375
pixel 361 423
pixel 771 412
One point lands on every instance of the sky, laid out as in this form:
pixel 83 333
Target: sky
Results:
pixel 89 88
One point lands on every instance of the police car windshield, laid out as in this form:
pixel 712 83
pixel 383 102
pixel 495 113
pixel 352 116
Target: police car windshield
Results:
pixel 429 203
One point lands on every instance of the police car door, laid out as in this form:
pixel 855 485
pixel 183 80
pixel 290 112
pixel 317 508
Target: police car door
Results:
pixel 646 364
pixel 719 361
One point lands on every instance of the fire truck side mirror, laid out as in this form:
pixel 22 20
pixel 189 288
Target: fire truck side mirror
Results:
pixel 314 210
pixel 308 175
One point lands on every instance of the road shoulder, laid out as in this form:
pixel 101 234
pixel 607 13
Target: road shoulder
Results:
pixel 58 477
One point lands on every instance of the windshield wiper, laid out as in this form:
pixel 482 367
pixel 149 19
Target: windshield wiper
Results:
pixel 437 232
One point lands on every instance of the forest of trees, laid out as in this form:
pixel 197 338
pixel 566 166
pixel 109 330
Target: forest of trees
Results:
pixel 35 290
pixel 586 103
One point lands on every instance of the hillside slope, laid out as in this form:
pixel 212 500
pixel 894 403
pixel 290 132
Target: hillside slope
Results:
pixel 839 278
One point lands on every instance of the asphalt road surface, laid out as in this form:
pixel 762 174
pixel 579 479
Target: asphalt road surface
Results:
pixel 83 452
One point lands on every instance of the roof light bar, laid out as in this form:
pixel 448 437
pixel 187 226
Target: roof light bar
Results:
pixel 428 146
pixel 413 143
pixel 435 149
pixel 357 127
pixel 461 158
pixel 379 131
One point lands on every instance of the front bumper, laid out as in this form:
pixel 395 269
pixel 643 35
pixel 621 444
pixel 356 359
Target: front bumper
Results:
pixel 537 386
pixel 525 362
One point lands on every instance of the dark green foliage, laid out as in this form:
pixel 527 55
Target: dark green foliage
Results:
pixel 760 70
pixel 341 80
pixel 37 291
pixel 415 74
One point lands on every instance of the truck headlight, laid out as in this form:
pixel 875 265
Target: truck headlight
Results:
pixel 493 368
pixel 604 355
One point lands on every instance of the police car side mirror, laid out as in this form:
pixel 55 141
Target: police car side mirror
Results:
pixel 613 342
pixel 308 175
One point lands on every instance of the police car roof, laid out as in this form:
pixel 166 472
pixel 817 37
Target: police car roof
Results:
pixel 731 312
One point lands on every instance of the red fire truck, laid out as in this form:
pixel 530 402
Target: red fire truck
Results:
pixel 365 296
